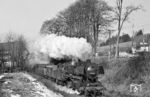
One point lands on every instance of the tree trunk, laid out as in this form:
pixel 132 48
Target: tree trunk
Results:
pixel 117 49
pixel 95 34
pixel 109 46
pixel 118 37
pixel 119 27
pixel 94 47
pixel 117 44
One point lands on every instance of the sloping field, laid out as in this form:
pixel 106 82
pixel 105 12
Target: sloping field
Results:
pixel 122 46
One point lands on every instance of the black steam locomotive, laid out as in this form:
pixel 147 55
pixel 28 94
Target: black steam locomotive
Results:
pixel 78 75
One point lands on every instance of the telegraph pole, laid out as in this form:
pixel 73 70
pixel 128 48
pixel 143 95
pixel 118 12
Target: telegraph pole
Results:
pixel 132 34
pixel 109 33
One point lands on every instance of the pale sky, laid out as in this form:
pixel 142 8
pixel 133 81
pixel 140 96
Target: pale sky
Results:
pixel 140 19
pixel 26 16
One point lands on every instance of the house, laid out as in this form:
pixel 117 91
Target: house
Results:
pixel 13 54
pixel 8 53
pixel 141 43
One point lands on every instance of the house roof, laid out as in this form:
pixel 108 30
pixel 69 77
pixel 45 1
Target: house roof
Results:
pixel 142 39
pixel 9 48
pixel 9 45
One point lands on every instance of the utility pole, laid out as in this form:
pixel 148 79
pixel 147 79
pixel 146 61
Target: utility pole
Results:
pixel 109 33
pixel 132 34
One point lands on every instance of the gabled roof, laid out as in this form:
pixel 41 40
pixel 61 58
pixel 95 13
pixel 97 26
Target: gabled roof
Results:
pixel 142 38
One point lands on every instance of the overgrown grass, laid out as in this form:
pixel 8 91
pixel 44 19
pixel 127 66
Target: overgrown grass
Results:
pixel 124 71
pixel 122 47
pixel 133 70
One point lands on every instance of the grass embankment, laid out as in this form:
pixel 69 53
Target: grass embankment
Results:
pixel 119 74
pixel 122 47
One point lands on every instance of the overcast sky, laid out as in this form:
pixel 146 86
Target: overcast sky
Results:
pixel 26 16
pixel 140 19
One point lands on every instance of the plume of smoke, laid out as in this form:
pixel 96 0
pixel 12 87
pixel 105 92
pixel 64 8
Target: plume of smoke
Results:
pixel 60 47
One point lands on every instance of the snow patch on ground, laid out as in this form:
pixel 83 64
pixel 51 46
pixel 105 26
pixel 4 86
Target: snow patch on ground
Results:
pixel 16 95
pixel 1 76
pixel 65 89
pixel 125 54
pixel 25 84
pixel 40 88
pixel 6 82
pixel 29 77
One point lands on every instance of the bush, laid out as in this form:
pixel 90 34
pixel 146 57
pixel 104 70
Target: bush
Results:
pixel 102 61
pixel 129 50
pixel 134 70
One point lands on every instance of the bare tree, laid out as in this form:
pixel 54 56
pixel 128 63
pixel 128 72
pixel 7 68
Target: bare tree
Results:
pixel 122 16
pixel 133 34
pixel 22 52
pixel 109 32
pixel 84 18
pixel 55 26
pixel 10 38
pixel 2 58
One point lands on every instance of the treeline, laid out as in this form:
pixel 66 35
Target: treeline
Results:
pixel 113 39
pixel 84 18
pixel 89 19
pixel 138 37
pixel 13 53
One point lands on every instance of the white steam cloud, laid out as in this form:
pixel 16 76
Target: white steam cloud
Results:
pixel 59 47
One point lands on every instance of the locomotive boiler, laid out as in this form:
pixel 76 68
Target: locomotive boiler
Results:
pixel 75 74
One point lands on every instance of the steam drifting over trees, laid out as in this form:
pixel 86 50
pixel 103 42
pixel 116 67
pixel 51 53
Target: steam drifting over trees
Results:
pixel 84 18
pixel 61 47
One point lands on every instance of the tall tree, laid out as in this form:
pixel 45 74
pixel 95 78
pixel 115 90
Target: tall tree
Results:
pixel 109 32
pixel 122 16
pixel 138 33
pixel 55 26
pixel 22 52
pixel 2 58
pixel 84 18
pixel 17 50
pixel 10 38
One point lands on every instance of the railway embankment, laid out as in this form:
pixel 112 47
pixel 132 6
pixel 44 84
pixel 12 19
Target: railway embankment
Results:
pixel 66 92
pixel 31 85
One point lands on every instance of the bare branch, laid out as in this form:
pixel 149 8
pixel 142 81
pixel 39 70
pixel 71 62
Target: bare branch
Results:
pixel 129 10
pixel 121 16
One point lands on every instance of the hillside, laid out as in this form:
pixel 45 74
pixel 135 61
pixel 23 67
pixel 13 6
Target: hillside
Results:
pixel 126 45
pixel 122 46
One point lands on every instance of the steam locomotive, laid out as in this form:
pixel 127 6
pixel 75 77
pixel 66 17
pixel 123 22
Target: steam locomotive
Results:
pixel 78 75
